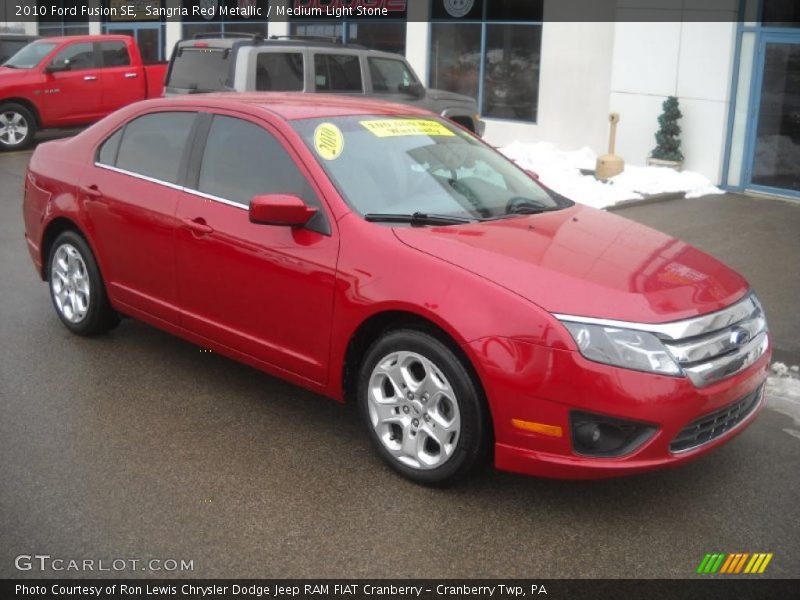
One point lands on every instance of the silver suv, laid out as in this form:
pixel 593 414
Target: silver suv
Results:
pixel 301 64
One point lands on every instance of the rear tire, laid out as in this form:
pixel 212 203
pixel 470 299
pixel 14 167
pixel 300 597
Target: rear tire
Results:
pixel 17 127
pixel 422 408
pixel 76 287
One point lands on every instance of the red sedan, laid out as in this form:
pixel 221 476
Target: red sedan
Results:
pixel 376 253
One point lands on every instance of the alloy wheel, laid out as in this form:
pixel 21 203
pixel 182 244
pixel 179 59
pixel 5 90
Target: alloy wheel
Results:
pixel 13 128
pixel 413 410
pixel 69 283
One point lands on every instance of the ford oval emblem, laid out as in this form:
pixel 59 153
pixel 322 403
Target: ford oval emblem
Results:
pixel 739 336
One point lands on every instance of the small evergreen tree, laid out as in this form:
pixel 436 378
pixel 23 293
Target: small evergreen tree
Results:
pixel 668 142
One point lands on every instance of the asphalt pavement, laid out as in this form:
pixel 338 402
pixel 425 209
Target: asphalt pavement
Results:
pixel 138 446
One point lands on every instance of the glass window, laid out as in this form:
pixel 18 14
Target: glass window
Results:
pixel 192 29
pixel 319 30
pixel 389 76
pixel 279 72
pixel 337 73
pixel 243 160
pixel 9 47
pixel 76 57
pixel 514 10
pixel 457 9
pixel 511 72
pixel 30 55
pixel 115 54
pixel 200 69
pixel 152 145
pixel 456 58
pixel 780 13
pixel 428 166
pixel 108 151
pixel 387 37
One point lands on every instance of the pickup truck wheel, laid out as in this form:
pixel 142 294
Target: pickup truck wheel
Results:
pixel 421 407
pixel 17 127
pixel 76 287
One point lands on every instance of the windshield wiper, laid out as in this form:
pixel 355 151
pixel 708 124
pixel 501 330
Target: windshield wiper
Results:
pixel 417 219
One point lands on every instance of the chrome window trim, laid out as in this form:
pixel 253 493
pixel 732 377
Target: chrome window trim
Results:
pixel 173 186
pixel 678 330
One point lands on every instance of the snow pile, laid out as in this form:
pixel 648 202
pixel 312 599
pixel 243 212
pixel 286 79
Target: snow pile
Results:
pixel 560 171
pixel 783 394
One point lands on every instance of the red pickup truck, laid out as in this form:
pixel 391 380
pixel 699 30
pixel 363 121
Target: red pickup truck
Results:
pixel 69 81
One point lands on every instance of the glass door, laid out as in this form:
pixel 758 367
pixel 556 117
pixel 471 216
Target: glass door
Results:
pixel 148 36
pixel 774 145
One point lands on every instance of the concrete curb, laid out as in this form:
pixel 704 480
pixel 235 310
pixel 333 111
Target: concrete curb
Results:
pixel 651 199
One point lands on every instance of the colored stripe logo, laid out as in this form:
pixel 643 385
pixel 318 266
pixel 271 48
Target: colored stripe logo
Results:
pixel 734 564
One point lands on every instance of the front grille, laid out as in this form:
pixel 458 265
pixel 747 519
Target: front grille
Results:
pixel 713 347
pixel 711 426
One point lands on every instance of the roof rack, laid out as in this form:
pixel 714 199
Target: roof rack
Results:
pixel 257 37
pixel 333 39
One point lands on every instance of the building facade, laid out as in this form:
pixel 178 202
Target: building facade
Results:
pixel 541 75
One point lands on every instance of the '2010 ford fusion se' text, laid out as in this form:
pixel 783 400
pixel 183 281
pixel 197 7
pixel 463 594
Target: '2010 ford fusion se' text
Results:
pixel 375 252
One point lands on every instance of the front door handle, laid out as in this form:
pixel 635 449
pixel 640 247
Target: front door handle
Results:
pixel 198 225
pixel 90 77
pixel 92 191
pixel 131 75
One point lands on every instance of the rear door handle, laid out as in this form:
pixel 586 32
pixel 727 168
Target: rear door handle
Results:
pixel 90 77
pixel 131 75
pixel 92 191
pixel 198 225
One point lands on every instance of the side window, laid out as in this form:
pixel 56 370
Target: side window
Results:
pixel 76 57
pixel 152 145
pixel 389 76
pixel 337 73
pixel 115 54
pixel 279 72
pixel 243 160
pixel 109 149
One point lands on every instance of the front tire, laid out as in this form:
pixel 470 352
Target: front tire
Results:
pixel 17 127
pixel 76 287
pixel 422 409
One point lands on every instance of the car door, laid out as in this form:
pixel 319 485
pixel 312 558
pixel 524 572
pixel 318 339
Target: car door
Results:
pixel 391 79
pixel 121 83
pixel 338 72
pixel 264 290
pixel 72 93
pixel 131 194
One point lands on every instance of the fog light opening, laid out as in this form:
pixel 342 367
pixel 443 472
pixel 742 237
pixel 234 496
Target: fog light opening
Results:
pixel 598 435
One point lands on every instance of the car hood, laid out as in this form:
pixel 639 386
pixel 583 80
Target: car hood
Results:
pixel 583 261
pixel 450 97
pixel 7 73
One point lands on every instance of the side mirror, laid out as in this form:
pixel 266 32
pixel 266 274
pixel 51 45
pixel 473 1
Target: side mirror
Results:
pixel 280 209
pixel 415 89
pixel 54 68
pixel 532 174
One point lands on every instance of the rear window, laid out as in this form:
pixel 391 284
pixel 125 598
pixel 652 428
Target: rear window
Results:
pixel 279 72
pixel 337 73
pixel 200 69
pixel 152 145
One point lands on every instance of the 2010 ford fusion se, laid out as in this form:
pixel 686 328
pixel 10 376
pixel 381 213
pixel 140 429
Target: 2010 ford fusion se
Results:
pixel 375 252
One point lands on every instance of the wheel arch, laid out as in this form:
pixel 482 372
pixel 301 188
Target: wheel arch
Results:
pixel 52 230
pixel 27 104
pixel 376 325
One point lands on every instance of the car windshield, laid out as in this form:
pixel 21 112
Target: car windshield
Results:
pixel 421 167
pixel 30 56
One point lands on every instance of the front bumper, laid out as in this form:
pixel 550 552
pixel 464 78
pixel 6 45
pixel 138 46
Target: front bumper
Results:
pixel 526 382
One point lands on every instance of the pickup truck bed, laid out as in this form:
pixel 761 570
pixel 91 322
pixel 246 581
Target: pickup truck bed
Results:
pixel 70 81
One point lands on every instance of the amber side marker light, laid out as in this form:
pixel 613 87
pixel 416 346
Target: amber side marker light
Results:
pixel 551 430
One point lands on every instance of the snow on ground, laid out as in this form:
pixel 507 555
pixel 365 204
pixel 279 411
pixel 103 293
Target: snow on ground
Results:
pixel 560 171
pixel 783 394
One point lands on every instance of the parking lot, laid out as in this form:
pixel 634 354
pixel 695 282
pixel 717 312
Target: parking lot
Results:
pixel 138 445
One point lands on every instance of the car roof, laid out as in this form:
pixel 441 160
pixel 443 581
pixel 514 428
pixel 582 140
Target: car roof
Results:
pixel 297 42
pixel 291 106
pixel 86 38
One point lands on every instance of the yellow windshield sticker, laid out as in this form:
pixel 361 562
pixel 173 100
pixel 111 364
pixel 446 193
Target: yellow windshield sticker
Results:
pixel 401 127
pixel 329 141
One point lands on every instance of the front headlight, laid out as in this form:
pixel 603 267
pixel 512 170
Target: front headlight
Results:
pixel 625 348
